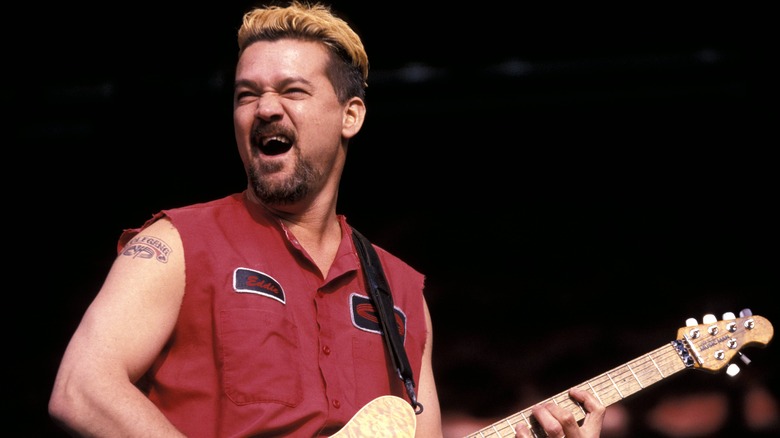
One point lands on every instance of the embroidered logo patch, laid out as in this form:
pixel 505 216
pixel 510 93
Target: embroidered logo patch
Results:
pixel 255 282
pixel 364 316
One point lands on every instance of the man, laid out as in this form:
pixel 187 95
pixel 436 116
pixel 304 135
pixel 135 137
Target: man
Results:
pixel 247 315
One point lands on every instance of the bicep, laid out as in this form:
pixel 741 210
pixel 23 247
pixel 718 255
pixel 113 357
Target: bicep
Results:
pixel 134 312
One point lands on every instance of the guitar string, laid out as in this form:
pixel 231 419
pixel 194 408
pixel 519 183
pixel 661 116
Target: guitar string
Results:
pixel 604 388
pixel 635 375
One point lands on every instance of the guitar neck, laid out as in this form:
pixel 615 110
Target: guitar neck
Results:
pixel 609 388
pixel 707 346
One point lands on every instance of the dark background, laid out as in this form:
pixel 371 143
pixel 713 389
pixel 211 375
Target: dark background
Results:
pixel 574 182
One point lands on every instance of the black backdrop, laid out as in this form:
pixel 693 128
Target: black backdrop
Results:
pixel 574 183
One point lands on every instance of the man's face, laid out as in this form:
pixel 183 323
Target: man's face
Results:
pixel 288 120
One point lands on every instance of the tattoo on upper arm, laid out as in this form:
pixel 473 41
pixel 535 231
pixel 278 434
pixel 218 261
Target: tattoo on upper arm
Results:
pixel 147 247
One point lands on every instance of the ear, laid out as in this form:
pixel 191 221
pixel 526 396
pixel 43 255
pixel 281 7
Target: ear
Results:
pixel 354 115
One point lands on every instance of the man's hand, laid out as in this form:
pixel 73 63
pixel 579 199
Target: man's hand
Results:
pixel 558 422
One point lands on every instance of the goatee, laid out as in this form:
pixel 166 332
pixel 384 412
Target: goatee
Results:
pixel 292 189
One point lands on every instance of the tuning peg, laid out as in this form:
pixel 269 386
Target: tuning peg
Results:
pixel 732 370
pixel 744 358
pixel 690 322
pixel 728 316
pixel 709 319
pixel 745 312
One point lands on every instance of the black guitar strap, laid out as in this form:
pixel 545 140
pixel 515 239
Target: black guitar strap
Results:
pixel 383 301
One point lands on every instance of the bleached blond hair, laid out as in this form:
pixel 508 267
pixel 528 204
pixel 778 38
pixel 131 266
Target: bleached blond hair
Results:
pixel 348 69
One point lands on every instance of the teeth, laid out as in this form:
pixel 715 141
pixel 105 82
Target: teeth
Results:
pixel 275 138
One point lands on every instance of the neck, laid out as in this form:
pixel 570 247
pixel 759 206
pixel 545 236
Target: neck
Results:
pixel 314 225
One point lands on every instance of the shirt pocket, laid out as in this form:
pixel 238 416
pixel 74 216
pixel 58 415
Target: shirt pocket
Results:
pixel 375 375
pixel 259 353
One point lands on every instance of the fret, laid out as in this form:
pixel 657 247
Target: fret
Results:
pixel 648 369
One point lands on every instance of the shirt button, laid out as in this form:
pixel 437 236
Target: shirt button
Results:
pixel 336 404
pixel 326 350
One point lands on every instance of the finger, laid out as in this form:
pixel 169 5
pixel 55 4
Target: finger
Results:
pixel 548 417
pixel 595 412
pixel 522 430
pixel 594 409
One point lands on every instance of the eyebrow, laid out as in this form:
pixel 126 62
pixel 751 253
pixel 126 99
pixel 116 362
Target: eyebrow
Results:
pixel 284 82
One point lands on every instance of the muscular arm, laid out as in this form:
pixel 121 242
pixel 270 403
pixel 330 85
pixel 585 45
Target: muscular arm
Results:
pixel 429 421
pixel 117 340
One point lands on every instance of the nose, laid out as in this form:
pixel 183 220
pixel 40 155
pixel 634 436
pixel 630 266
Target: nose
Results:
pixel 269 107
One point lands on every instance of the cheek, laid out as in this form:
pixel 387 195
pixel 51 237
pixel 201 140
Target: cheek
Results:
pixel 242 126
pixel 242 120
pixel 329 122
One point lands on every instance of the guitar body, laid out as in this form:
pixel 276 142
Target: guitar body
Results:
pixel 386 416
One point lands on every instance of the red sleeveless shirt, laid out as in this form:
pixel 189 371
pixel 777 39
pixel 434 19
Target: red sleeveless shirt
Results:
pixel 263 345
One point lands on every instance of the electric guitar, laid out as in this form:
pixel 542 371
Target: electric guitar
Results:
pixel 708 346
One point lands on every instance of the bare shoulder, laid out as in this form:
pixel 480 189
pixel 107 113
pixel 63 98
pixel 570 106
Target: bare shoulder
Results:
pixel 137 306
pixel 151 263
pixel 159 241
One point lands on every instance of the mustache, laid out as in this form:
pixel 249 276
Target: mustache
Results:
pixel 261 131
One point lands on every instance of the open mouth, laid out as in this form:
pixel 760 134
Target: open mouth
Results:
pixel 275 145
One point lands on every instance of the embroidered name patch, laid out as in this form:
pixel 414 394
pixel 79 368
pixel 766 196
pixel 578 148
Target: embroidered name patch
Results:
pixel 255 282
pixel 364 316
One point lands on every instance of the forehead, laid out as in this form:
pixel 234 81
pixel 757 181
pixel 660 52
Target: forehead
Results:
pixel 286 57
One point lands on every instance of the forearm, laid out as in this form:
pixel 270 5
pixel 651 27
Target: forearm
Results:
pixel 93 408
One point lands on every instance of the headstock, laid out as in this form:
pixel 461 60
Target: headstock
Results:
pixel 712 344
